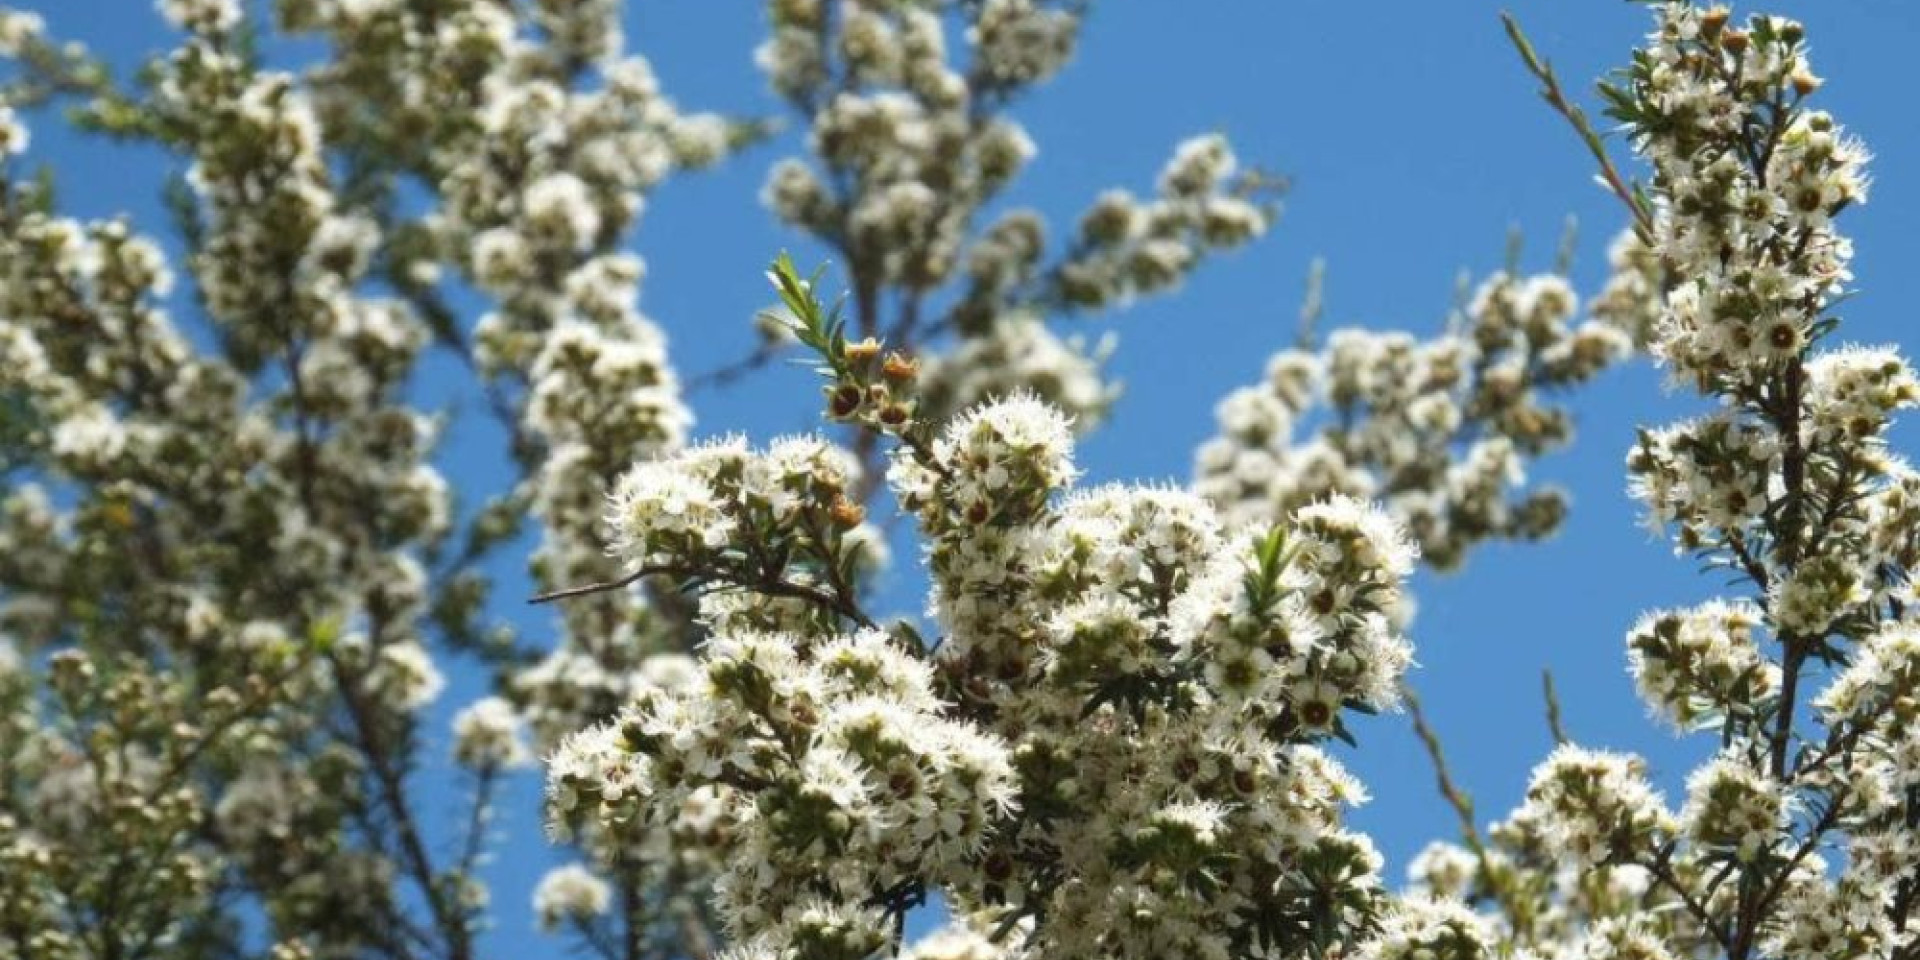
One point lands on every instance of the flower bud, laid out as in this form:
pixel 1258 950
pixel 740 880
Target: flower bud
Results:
pixel 900 368
pixel 846 513
pixel 1713 20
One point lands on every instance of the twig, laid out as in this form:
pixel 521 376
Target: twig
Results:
pixel 738 370
pixel 1552 696
pixel 1661 867
pixel 478 815
pixel 603 586
pixel 1456 798
pixel 391 790
pixel 1550 91
pixel 1569 245
pixel 1312 305
pixel 839 603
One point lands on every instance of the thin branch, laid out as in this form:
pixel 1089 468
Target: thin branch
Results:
pixel 1313 305
pixel 1661 867
pixel 738 370
pixel 391 789
pixel 603 586
pixel 1552 696
pixel 772 586
pixel 1556 98
pixel 478 816
pixel 1456 798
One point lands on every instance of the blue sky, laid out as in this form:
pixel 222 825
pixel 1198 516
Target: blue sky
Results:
pixel 1415 144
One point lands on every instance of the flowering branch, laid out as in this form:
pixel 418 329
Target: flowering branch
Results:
pixel 1788 482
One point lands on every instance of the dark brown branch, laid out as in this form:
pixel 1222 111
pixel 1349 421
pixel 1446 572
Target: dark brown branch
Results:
pixel 604 586
pixel 840 603
pixel 1661 868
pixel 738 370
pixel 391 788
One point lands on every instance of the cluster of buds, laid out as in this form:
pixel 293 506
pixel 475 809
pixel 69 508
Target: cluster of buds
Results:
pixel 866 384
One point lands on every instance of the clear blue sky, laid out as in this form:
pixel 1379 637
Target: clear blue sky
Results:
pixel 1415 142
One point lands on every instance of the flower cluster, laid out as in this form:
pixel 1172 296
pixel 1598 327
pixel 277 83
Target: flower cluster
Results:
pixel 1591 803
pixel 230 572
pixel 487 735
pixel 1733 807
pixel 215 556
pixel 780 522
pixel 570 893
pixel 1787 486
pixel 1113 746
pixel 1021 355
pixel 540 136
pixel 1696 668
pixel 911 145
pixel 1752 234
pixel 828 759
pixel 1441 929
pixel 1438 430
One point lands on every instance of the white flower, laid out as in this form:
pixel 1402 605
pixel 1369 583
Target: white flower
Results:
pixel 14 137
pixel 488 733
pixel 570 893
pixel 560 206
pixel 210 16
pixel 660 509
pixel 406 676
pixel 1420 928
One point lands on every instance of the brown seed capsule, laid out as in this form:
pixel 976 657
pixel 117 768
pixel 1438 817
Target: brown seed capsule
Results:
pixel 895 414
pixel 1805 83
pixel 862 351
pixel 846 513
pixel 1712 20
pixel 845 400
pixel 978 512
pixel 899 368
pixel 1735 41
